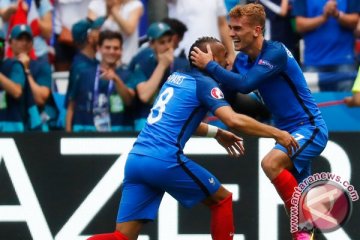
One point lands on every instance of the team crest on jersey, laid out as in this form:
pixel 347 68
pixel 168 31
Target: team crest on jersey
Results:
pixel 217 93
pixel 265 63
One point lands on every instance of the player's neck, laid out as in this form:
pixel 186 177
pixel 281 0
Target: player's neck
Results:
pixel 254 52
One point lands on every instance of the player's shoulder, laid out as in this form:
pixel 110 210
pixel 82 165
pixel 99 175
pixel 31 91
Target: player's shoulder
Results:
pixel 274 47
pixel 275 51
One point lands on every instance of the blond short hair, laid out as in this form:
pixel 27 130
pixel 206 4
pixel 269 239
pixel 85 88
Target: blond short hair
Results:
pixel 253 11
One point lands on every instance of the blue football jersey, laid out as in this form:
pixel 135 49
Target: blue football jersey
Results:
pixel 277 77
pixel 178 110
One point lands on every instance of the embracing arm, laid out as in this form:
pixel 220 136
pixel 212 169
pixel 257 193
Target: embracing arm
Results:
pixel 239 82
pixel 250 126
pixel 273 62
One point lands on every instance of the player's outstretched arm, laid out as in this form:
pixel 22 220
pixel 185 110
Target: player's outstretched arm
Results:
pixel 232 143
pixel 250 126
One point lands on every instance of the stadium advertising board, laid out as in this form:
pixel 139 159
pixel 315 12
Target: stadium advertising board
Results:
pixel 60 186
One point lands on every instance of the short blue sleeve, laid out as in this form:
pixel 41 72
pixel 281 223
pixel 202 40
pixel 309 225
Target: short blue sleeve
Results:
pixel 209 94
pixel 17 74
pixel 299 8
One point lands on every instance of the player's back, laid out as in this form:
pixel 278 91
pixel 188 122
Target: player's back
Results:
pixel 174 117
pixel 286 94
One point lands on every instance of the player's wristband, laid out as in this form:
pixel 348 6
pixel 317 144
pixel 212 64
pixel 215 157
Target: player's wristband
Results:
pixel 212 131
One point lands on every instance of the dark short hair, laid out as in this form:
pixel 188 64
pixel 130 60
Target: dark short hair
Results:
pixel 201 44
pixel 176 25
pixel 109 35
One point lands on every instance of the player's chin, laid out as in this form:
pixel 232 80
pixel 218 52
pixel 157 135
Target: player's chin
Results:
pixel 237 46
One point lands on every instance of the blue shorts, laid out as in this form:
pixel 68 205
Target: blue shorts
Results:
pixel 312 141
pixel 147 179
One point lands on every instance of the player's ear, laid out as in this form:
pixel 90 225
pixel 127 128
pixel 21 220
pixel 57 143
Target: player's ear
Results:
pixel 209 51
pixel 257 31
pixel 208 48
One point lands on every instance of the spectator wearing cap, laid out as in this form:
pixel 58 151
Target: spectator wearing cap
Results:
pixel 122 16
pixel 43 25
pixel 100 96
pixel 150 68
pixel 12 83
pixel 38 73
pixel 181 62
pixel 86 36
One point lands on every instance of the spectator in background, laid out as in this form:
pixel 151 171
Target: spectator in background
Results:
pixel 357 42
pixel 100 94
pixel 282 24
pixel 354 100
pixel 122 16
pixel 66 14
pixel 85 34
pixel 38 74
pixel 202 18
pixel 12 82
pixel 150 68
pixel 181 62
pixel 42 26
pixel 327 28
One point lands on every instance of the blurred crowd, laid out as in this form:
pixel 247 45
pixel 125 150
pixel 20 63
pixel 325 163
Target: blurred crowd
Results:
pixel 118 53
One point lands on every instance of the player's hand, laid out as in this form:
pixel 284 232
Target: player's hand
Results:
pixel 232 143
pixel 200 58
pixel 285 139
